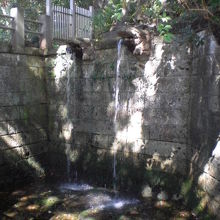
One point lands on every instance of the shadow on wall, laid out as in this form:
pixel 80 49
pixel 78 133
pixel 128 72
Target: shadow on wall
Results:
pixel 23 120
pixel 159 100
pixel 205 122
pixel 152 118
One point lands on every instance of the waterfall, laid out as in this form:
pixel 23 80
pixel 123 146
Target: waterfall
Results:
pixel 116 107
pixel 67 104
pixel 68 166
pixel 69 123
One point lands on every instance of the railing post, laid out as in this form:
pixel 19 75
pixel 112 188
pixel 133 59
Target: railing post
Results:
pixel 46 30
pixel 73 9
pixel 48 7
pixel 18 36
pixel 91 9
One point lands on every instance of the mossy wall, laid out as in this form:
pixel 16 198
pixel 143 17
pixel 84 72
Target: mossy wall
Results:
pixel 152 122
pixel 58 111
pixel 23 118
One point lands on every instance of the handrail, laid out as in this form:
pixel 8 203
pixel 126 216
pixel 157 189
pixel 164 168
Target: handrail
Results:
pixel 6 16
pixel 33 21
pixel 33 32
pixel 6 28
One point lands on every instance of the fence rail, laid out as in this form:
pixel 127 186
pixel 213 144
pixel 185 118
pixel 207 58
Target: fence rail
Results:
pixel 32 28
pixel 7 27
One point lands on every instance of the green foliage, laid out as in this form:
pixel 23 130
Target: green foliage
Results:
pixel 168 18
pixel 105 18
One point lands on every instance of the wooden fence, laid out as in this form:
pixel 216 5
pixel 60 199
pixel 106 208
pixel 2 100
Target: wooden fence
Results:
pixel 59 23
pixel 69 24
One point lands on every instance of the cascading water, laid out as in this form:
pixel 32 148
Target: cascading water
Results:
pixel 119 57
pixel 69 124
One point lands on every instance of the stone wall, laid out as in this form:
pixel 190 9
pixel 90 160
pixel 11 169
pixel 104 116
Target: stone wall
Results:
pixel 152 123
pixel 167 122
pixel 205 119
pixel 23 118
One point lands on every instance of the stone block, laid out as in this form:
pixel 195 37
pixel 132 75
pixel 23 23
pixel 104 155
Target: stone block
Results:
pixel 82 138
pixel 210 185
pixel 7 71
pixel 9 113
pixel 35 149
pixel 36 135
pixel 2 161
pixel 212 168
pixel 100 112
pixel 213 85
pixel 169 132
pixel 10 85
pixel 12 141
pixel 165 116
pixel 173 101
pixel 84 126
pixel 100 140
pixel 87 70
pixel 106 55
pixel 4 128
pixel 174 85
pixel 30 61
pixel 37 114
pixel 165 149
pixel 214 104
pixel 8 59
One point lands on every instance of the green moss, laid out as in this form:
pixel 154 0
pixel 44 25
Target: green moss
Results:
pixel 186 187
pixel 49 202
pixel 25 115
pixel 112 66
pixel 51 73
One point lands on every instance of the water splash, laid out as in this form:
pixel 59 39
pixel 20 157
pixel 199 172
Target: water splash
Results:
pixel 119 57
pixel 115 204
pixel 75 187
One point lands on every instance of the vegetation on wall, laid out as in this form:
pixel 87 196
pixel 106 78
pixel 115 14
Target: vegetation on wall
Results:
pixel 165 16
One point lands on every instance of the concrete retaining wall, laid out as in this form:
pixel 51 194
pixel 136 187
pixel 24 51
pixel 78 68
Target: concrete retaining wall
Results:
pixel 23 118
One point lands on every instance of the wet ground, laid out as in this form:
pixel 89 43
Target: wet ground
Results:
pixel 81 201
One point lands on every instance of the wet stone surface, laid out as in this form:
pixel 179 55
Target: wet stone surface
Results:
pixel 81 201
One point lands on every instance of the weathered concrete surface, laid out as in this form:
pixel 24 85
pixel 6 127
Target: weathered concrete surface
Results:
pixel 152 123
pixel 168 119
pixel 205 118
pixel 23 118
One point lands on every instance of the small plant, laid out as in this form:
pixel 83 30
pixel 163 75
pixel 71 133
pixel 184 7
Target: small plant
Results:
pixel 164 28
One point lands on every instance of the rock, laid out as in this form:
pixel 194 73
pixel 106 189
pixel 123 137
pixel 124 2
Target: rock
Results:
pixel 162 196
pixel 139 38
pixel 177 197
pixel 147 192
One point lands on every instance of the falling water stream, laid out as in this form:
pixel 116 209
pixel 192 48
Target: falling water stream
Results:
pixel 98 200
pixel 70 126
pixel 119 57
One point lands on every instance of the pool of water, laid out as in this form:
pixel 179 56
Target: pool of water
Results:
pixel 67 201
